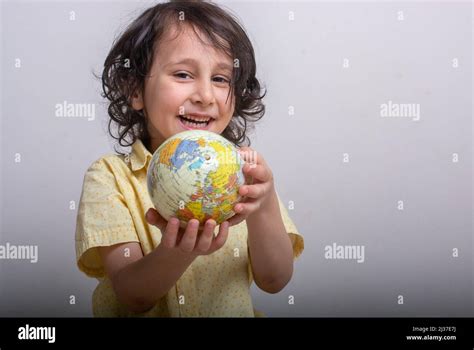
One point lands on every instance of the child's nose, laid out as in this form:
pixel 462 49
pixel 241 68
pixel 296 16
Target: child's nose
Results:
pixel 204 93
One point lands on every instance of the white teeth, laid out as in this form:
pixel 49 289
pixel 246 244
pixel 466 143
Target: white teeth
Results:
pixel 197 120
pixel 194 125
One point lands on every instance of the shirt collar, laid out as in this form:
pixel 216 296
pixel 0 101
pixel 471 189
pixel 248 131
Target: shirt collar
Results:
pixel 139 156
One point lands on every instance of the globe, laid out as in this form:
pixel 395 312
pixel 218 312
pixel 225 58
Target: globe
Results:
pixel 195 174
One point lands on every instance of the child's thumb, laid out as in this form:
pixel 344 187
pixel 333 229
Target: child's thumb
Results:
pixel 155 219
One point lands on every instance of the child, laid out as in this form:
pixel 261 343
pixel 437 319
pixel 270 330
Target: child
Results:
pixel 178 66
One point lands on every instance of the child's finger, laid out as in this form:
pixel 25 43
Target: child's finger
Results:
pixel 221 237
pixel 260 172
pixel 236 219
pixel 188 241
pixel 253 191
pixel 249 155
pixel 205 238
pixel 247 207
pixel 155 219
pixel 170 233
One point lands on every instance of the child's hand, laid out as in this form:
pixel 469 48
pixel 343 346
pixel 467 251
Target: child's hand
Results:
pixel 258 188
pixel 191 240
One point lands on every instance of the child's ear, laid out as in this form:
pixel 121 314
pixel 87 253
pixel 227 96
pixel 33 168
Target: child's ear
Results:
pixel 137 101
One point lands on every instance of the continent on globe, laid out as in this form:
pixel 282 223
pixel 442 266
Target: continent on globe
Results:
pixel 195 174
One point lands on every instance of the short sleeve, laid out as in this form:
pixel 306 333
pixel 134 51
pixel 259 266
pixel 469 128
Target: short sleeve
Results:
pixel 103 218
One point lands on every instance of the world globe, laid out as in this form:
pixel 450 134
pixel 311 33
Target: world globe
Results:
pixel 195 174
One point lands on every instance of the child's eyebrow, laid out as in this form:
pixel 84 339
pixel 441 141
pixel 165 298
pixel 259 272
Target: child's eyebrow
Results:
pixel 193 62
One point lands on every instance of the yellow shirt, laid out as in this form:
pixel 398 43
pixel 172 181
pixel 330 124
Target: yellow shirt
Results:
pixel 112 210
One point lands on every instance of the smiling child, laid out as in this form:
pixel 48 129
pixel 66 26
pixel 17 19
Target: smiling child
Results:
pixel 180 66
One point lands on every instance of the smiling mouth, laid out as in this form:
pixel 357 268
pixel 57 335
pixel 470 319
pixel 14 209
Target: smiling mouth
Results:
pixel 194 124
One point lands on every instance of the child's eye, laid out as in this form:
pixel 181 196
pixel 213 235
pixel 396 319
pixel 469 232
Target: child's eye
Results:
pixel 221 80
pixel 183 75
pixel 180 75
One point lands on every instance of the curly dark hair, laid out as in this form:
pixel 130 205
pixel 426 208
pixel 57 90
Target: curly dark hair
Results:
pixel 130 59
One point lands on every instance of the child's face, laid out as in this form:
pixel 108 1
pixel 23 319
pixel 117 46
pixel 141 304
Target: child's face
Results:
pixel 174 90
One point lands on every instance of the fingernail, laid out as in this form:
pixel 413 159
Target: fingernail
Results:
pixel 244 191
pixel 174 221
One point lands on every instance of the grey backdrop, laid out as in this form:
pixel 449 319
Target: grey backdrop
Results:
pixel 328 68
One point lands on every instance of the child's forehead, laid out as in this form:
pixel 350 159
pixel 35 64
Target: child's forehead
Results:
pixel 183 37
pixel 185 42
